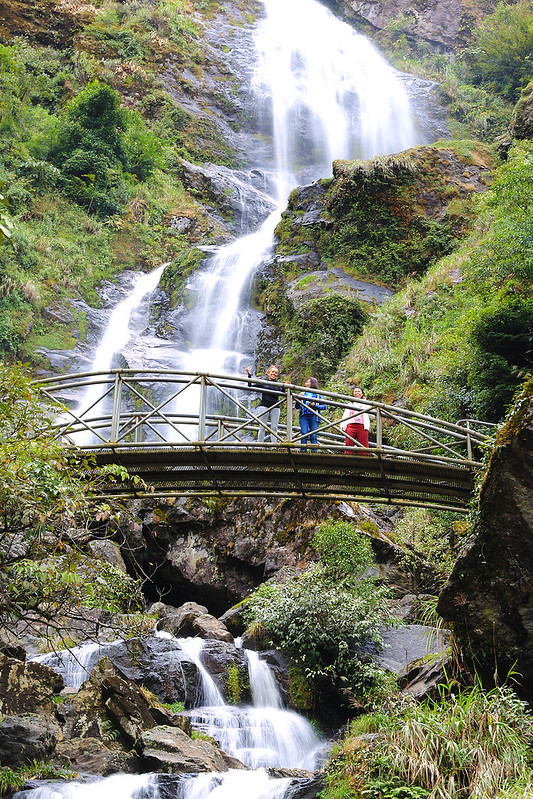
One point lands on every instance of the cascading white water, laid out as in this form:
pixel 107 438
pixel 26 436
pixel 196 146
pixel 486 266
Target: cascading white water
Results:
pixel 263 734
pixel 326 93
pixel 75 665
pixel 329 94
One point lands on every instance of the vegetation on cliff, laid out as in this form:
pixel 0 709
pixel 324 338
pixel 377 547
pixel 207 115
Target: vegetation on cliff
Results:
pixel 457 342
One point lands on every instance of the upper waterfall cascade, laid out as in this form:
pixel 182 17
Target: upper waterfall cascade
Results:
pixel 321 92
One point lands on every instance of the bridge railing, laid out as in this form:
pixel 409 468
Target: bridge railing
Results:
pixel 127 409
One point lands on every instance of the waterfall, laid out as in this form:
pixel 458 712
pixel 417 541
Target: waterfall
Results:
pixel 74 664
pixel 265 691
pixel 323 92
pixel 264 734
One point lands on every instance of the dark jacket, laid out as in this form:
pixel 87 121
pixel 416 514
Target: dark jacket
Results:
pixel 269 396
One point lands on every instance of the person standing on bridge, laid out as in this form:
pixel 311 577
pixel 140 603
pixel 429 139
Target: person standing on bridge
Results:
pixel 355 422
pixel 309 406
pixel 268 410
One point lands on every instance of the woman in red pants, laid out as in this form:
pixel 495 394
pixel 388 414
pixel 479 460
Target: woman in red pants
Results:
pixel 355 422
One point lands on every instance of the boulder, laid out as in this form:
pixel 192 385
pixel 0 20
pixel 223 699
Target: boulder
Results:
pixel 207 626
pixel 27 687
pixel 91 756
pixel 221 659
pixel 179 621
pixel 170 750
pixel 27 737
pixel 109 706
pixel 489 594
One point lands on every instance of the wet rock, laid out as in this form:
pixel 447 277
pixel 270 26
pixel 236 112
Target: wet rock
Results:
pixel 220 658
pixel 170 750
pixel 110 705
pixel 27 737
pixel 489 594
pixel 234 192
pixel 421 679
pixel 27 687
pixel 303 785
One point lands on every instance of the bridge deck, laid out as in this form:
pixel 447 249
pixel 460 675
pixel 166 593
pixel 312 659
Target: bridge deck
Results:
pixel 377 477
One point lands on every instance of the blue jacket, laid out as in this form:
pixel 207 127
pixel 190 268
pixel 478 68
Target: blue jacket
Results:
pixel 305 410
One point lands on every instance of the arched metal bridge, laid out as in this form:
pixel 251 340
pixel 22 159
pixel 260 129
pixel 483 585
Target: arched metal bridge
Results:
pixel 196 435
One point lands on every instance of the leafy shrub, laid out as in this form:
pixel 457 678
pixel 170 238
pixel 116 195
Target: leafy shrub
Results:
pixel 100 148
pixel 503 338
pixel 501 55
pixel 326 328
pixel 343 551
pixel 328 626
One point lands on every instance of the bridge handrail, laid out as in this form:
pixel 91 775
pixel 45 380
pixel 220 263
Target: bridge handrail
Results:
pixel 157 414
pixel 337 398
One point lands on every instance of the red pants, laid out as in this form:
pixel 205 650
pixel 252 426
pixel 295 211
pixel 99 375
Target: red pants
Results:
pixel 357 431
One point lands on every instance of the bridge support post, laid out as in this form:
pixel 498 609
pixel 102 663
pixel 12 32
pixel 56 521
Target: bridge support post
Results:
pixel 379 429
pixel 289 414
pixel 468 441
pixel 202 409
pixel 115 416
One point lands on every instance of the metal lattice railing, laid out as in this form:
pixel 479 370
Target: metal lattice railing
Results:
pixel 176 414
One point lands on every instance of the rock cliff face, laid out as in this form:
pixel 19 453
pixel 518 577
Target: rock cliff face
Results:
pixel 489 595
pixel 443 24
pixel 216 552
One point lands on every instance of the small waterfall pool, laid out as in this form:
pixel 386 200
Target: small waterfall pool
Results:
pixel 262 735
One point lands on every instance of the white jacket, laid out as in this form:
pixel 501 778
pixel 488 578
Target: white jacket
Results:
pixel 355 413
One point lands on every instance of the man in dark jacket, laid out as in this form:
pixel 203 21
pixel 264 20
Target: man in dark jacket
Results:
pixel 268 410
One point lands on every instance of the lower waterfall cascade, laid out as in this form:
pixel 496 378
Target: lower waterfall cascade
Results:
pixel 262 735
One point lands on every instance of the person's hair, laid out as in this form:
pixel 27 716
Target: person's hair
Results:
pixel 313 381
pixel 272 366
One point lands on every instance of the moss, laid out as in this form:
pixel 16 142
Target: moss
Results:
pixel 178 272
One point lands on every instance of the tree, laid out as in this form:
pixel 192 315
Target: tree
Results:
pixel 47 507
pixel 101 149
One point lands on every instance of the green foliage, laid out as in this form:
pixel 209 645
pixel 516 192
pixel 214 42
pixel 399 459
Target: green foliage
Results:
pixel 175 707
pixel 474 744
pixel 501 54
pixel 470 744
pixel 325 329
pixel 503 340
pixel 101 148
pixel 109 588
pixel 327 619
pixel 12 780
pixel 432 535
pixel 234 684
pixel 344 552
pixel 47 507
pixel 456 343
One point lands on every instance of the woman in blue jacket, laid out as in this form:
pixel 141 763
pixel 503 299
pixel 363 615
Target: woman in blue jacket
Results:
pixel 309 405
